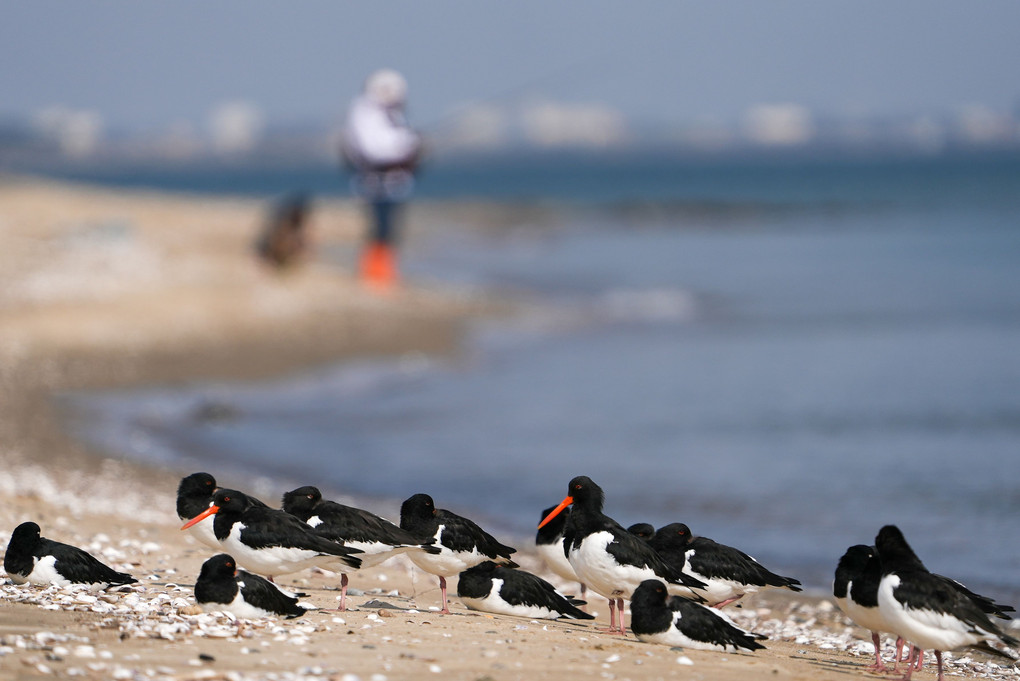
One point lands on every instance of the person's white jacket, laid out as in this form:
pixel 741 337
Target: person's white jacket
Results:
pixel 377 138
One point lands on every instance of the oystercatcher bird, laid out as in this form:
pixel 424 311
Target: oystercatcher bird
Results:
pixel 606 557
pixel 269 541
pixel 221 586
pixel 642 530
pixel 549 545
pixel 378 538
pixel 728 572
pixel 461 542
pixel 194 496
pixel 507 591
pixel 926 610
pixel 34 559
pixel 855 589
pixel 657 617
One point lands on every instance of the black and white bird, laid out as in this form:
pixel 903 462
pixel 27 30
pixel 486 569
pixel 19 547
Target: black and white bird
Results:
pixel 32 558
pixel 194 496
pixel 549 545
pixel 462 543
pixel 221 586
pixel 490 587
pixel 657 617
pixel 607 558
pixel 855 590
pixel 728 572
pixel 924 609
pixel 376 537
pixel 271 542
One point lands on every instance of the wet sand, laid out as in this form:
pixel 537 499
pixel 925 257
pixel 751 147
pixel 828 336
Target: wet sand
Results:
pixel 103 289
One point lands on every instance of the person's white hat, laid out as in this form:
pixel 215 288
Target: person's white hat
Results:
pixel 387 87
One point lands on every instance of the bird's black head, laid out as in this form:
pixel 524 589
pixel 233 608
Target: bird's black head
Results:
pixel 220 565
pixel 301 500
pixel 850 567
pixel 417 512
pixel 231 501
pixel 419 505
pixel 26 534
pixel 197 485
pixel 894 550
pixel 586 493
pixel 674 535
pixel 582 493
pixel 642 530
pixel 194 494
pixel 855 558
pixel 650 592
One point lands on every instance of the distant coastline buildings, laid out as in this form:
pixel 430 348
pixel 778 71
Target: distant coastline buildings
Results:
pixel 238 130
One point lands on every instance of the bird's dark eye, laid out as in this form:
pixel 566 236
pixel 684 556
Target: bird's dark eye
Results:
pixel 310 496
pixel 226 498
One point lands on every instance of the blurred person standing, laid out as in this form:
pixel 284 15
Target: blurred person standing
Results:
pixel 383 153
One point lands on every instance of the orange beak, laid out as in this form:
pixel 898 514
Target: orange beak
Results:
pixel 201 516
pixel 556 511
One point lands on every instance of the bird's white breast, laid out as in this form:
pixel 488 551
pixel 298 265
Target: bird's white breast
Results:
pixel 275 560
pixel 203 532
pixel 238 606
pixel 446 563
pixel 872 619
pixel 554 558
pixel 922 627
pixel 600 571
pixel 44 572
pixel 494 602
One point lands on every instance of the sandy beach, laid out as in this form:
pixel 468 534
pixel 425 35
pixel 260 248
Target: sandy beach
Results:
pixel 102 289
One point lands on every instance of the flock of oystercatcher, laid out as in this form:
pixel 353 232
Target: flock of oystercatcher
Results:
pixel 677 583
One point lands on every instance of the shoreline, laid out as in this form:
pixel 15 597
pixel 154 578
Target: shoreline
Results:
pixel 105 289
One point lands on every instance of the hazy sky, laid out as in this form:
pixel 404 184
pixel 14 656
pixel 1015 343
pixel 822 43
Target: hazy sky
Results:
pixel 151 64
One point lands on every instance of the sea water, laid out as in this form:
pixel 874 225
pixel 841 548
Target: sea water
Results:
pixel 784 357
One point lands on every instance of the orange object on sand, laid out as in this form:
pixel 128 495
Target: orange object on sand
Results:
pixel 379 266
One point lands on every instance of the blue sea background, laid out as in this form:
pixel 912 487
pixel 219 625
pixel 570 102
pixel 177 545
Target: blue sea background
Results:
pixel 784 353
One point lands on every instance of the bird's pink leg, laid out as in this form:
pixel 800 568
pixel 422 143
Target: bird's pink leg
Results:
pixel 910 663
pixel 619 604
pixel 612 617
pixel 442 588
pixel 343 592
pixel 720 604
pixel 878 666
pixel 899 652
pixel 938 659
pixel 920 658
